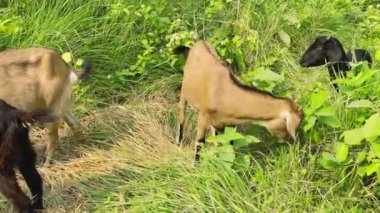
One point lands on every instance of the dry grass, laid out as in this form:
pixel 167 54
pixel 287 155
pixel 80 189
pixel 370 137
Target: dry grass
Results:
pixel 136 135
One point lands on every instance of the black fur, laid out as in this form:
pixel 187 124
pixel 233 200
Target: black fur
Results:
pixel 86 70
pixel 181 50
pixel 16 152
pixel 329 49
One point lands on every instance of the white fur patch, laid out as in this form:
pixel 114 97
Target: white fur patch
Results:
pixel 287 117
pixel 73 77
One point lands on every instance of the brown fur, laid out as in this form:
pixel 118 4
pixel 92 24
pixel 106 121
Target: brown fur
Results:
pixel 210 87
pixel 35 78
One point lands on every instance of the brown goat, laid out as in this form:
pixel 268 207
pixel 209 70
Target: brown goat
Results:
pixel 221 99
pixel 34 78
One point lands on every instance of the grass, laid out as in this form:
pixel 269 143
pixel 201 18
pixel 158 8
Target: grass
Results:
pixel 129 162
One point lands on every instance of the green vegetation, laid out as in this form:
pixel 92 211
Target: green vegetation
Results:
pixel 128 106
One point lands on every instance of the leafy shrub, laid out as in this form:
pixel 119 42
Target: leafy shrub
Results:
pixel 358 148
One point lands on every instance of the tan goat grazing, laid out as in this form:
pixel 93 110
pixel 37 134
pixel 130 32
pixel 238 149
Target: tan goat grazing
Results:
pixel 221 99
pixel 34 78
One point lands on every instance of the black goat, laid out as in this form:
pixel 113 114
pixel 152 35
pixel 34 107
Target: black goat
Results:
pixel 16 152
pixel 328 49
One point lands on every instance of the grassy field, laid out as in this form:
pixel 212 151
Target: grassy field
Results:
pixel 128 106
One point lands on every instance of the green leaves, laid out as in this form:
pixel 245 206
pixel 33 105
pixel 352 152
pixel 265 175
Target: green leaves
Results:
pixel 377 55
pixel 241 162
pixel 10 25
pixel 265 74
pixel 329 161
pixel 370 130
pixel 341 151
pixel 309 123
pixel 316 112
pixel 372 126
pixel 368 161
pixel 327 111
pixel 360 104
pixel 368 169
pixel 332 121
pixel 358 80
pixel 225 152
pixel 317 100
pixel 353 137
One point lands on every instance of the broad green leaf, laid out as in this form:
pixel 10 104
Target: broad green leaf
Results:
pixel 360 104
pixel 310 122
pixel 326 111
pixel 377 55
pixel 353 137
pixel 229 130
pixel 241 162
pixel 317 100
pixel 252 139
pixel 240 143
pixel 243 142
pixel 268 75
pixel 368 169
pixel 363 76
pixel 332 121
pixel 360 157
pixel 344 81
pixel 67 57
pixel 227 154
pixel 328 161
pixel 371 127
pixel 218 139
pixel 341 151
pixel 231 134
pixel 376 149
pixel 284 37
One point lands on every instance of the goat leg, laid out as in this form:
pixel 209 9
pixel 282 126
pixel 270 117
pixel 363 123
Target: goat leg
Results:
pixel 52 143
pixel 12 191
pixel 181 118
pixel 201 135
pixel 32 178
pixel 74 125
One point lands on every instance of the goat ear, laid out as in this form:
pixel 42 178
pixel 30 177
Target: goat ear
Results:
pixel 300 112
pixel 292 123
pixel 328 37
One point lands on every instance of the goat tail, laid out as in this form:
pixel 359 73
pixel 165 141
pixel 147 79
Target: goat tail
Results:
pixel 86 69
pixel 181 50
pixel 76 75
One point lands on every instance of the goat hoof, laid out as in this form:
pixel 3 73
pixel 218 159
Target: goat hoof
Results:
pixel 47 163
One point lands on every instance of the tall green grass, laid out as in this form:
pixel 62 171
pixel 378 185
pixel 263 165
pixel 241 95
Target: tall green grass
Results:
pixel 289 180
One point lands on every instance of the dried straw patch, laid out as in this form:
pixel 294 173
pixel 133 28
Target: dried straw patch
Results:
pixel 134 135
